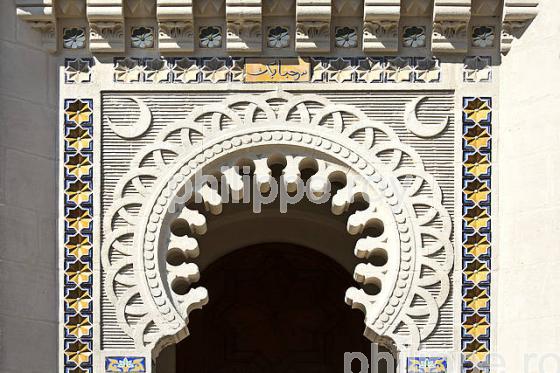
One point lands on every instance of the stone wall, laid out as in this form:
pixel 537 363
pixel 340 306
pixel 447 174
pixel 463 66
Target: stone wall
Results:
pixel 528 279
pixel 28 199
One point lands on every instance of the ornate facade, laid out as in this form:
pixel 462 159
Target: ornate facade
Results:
pixel 394 100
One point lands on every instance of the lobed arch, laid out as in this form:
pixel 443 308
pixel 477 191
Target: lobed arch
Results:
pixel 341 140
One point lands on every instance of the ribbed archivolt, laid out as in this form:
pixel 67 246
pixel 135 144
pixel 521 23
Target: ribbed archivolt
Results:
pixel 245 24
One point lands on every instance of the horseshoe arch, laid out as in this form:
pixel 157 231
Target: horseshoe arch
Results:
pixel 342 140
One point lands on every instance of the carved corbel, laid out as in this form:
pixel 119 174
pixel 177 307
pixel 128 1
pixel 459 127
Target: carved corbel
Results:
pixel 106 25
pixel 347 8
pixel 416 8
pixel 244 25
pixel 486 8
pixel 175 22
pixel 517 15
pixel 451 20
pixel 41 16
pixel 381 25
pixel 313 25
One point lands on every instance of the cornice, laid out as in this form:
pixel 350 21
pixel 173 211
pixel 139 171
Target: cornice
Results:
pixel 379 22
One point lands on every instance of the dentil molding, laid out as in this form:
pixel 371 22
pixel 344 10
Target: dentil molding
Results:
pixel 245 32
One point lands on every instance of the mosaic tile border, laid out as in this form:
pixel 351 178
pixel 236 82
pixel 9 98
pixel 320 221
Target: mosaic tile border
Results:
pixel 476 236
pixel 181 70
pixel 426 364
pixel 78 236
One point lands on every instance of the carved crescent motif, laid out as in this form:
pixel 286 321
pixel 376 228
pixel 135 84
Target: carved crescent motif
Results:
pixel 415 126
pixel 132 130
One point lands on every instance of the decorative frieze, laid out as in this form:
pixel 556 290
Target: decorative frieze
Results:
pixel 175 22
pixel 381 25
pixel 517 15
pixel 451 20
pixel 106 23
pixel 257 70
pixel 319 24
pixel 244 25
pixel 313 25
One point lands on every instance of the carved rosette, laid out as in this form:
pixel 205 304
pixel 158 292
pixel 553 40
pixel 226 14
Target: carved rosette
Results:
pixel 385 170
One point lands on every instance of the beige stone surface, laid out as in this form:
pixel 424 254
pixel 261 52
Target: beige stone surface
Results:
pixel 528 251
pixel 28 208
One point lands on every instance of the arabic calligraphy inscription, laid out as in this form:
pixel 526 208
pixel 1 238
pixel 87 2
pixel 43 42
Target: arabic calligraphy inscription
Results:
pixel 258 70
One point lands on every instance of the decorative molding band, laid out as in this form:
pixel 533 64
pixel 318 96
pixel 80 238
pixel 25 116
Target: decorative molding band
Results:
pixel 78 236
pixel 314 19
pixel 476 233
pixel 224 70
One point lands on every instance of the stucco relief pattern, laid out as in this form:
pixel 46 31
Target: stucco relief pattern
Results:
pixel 146 308
pixel 78 236
pixel 477 236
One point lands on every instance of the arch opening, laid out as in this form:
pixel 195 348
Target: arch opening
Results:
pixel 275 307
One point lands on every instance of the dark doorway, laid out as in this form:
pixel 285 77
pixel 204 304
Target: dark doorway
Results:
pixel 273 308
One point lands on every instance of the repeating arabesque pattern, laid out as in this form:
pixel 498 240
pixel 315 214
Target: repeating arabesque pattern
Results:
pixel 78 235
pixel 477 237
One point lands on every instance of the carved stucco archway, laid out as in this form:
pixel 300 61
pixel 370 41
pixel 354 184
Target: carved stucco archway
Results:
pixel 341 139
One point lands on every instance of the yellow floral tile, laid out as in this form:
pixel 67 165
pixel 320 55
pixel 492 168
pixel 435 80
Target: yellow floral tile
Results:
pixel 476 325
pixel 78 139
pixel 476 298
pixel 78 299
pixel 477 110
pixel 476 272
pixel 477 245
pixel 477 137
pixel 79 219
pixel 477 164
pixel 78 352
pixel 78 165
pixel 477 218
pixel 78 326
pixel 477 191
pixel 78 246
pixel 476 352
pixel 78 272
pixel 79 112
pixel 78 192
